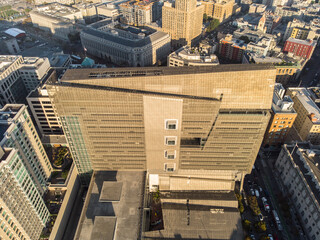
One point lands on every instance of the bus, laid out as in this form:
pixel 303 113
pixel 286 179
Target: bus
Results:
pixel 277 220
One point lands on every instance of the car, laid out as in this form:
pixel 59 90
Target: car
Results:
pixel 252 237
pixel 257 193
pixel 266 207
pixel 263 199
pixel 260 217
pixel 252 192
pixel 270 236
pixel 260 189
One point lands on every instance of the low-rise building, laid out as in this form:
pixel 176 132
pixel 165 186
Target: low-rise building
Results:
pixel 9 44
pixel 257 8
pixel 125 45
pixel 282 118
pixel 58 19
pixel 301 48
pixel 262 46
pixel 231 49
pixel 307 123
pixel 187 56
pixel 23 211
pixel 268 22
pixel 298 167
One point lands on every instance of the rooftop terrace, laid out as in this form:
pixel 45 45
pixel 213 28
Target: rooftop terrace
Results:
pixel 6 61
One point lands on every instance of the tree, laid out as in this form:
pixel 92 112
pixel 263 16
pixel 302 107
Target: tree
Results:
pixel 261 226
pixel 205 17
pixel 214 23
pixel 246 225
pixel 245 39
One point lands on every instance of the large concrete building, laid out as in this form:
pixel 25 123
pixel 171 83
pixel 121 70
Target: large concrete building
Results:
pixel 22 209
pixel 192 127
pixel 56 18
pixel 183 21
pixel 125 45
pixel 224 9
pixel 298 167
pixel 231 49
pixel 18 76
pixel 306 103
pixel 282 118
pixel 18 132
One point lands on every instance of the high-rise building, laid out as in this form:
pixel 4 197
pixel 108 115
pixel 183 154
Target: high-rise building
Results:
pixel 19 133
pixel 208 7
pixel 282 118
pixel 183 21
pixel 19 75
pixel 200 124
pixel 23 213
pixel 307 123
pixel 223 10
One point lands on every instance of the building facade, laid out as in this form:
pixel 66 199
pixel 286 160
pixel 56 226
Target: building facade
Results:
pixel 19 133
pixel 125 45
pixel 268 22
pixel 223 10
pixel 307 122
pixel 18 76
pixel 56 18
pixel 298 165
pixel 182 20
pixel 187 56
pixel 23 213
pixel 187 122
pixel 301 48
pixel 232 49
pixel 137 13
pixel 282 118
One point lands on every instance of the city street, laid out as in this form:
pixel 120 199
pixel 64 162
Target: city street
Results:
pixel 308 76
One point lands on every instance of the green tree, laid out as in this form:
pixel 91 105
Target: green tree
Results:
pixel 245 39
pixel 261 226
pixel 214 23
pixel 246 225
pixel 205 17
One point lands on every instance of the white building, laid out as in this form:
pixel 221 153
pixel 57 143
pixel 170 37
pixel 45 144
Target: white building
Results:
pixel 298 165
pixel 187 56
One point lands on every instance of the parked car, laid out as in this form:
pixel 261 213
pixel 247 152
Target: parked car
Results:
pixel 257 193
pixel 252 192
pixel 260 217
pixel 252 237
pixel 270 236
pixel 266 207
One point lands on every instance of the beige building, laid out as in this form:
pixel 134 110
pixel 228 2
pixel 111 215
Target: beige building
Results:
pixel 180 124
pixel 187 56
pixel 307 122
pixel 42 110
pixel 183 21
pixel 283 116
pixel 137 13
pixel 224 9
pixel 298 167
pixel 58 19
pixel 19 133
pixel 23 213
pixel 299 29
pixel 208 7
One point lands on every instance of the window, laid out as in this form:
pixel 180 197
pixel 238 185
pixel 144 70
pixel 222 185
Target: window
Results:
pixel 170 141
pixel 169 154
pixel 169 167
pixel 171 124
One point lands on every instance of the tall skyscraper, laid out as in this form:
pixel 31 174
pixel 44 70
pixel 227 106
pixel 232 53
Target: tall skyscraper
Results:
pixel 190 127
pixel 23 213
pixel 17 131
pixel 183 21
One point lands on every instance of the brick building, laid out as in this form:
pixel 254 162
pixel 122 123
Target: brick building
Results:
pixel 231 48
pixel 301 48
